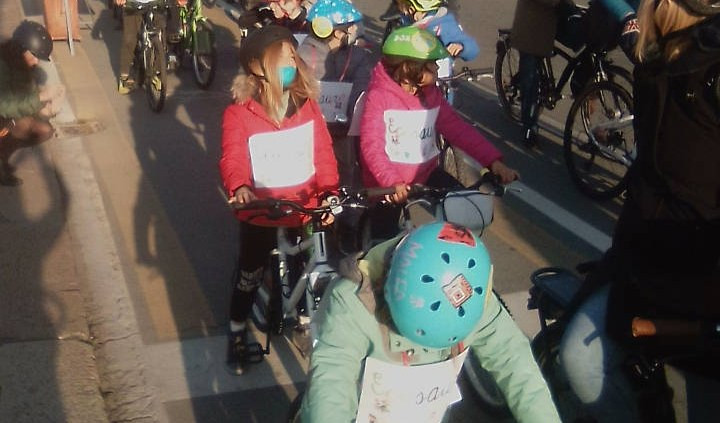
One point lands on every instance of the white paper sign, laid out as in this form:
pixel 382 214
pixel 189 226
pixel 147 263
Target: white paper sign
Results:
pixel 393 393
pixel 444 67
pixel 410 135
pixel 334 98
pixel 282 158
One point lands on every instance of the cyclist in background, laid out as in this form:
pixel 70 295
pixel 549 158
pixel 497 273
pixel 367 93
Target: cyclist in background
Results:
pixel 288 13
pixel 438 19
pixel 405 113
pixel 332 55
pixel 533 35
pixel 664 261
pixel 132 21
pixel 25 108
pixel 399 323
pixel 274 144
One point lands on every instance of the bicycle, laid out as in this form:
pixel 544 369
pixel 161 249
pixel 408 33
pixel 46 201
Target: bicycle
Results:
pixel 150 53
pixel 278 300
pixel 197 39
pixel 597 155
pixel 553 289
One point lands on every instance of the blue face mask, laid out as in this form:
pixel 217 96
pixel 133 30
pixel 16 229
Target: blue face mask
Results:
pixel 287 75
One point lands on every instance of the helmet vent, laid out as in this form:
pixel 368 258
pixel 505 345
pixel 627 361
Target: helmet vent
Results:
pixel 479 290
pixel 427 279
pixel 471 263
pixel 420 332
pixel 461 311
pixel 452 339
pixel 435 306
pixel 445 257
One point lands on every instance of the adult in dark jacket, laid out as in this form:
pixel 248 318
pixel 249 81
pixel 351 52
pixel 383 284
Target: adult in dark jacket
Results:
pixel 664 260
pixel 533 34
pixel 24 108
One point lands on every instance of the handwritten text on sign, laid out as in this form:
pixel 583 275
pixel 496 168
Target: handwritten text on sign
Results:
pixel 393 393
pixel 334 97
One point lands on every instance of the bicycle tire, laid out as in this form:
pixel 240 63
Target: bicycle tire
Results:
pixel 546 350
pixel 155 74
pixel 599 169
pixel 507 64
pixel 482 387
pixel 620 76
pixel 204 55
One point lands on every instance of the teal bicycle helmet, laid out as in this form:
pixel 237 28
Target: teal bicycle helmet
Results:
pixel 414 43
pixel 327 14
pixel 438 282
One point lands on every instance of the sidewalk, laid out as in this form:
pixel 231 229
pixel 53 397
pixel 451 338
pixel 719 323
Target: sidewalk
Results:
pixel 47 359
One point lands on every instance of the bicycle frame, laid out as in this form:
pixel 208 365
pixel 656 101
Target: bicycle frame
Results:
pixel 190 15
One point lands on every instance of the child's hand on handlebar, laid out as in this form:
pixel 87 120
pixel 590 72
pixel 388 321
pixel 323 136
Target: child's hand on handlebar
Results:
pixel 506 174
pixel 401 194
pixel 242 195
pixel 327 218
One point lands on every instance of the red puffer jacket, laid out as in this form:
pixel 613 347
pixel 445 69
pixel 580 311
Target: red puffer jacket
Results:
pixel 300 143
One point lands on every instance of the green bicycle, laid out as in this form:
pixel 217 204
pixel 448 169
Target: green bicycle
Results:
pixel 198 40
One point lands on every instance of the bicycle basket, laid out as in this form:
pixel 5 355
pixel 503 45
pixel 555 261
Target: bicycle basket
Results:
pixel 471 209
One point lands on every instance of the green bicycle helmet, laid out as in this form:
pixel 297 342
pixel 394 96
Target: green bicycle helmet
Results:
pixel 425 5
pixel 414 43
pixel 437 285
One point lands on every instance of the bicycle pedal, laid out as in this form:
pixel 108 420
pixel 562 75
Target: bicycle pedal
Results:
pixel 254 353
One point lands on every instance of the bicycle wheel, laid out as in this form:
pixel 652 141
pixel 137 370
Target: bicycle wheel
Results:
pixel 507 66
pixel 546 349
pixel 155 74
pixel 204 55
pixel 599 140
pixel 480 383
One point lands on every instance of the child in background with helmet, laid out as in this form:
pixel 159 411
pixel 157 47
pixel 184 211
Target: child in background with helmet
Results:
pixel 438 19
pixel 25 107
pixel 274 144
pixel 332 55
pixel 401 319
pixel 405 113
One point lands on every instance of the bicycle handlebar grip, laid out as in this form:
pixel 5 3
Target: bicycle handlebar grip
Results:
pixel 378 192
pixel 664 327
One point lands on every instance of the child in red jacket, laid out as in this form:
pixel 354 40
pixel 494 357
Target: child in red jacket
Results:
pixel 275 144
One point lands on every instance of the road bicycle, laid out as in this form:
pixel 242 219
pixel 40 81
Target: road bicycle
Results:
pixel 552 293
pixel 584 65
pixel 150 54
pixel 197 39
pixel 598 141
pixel 278 303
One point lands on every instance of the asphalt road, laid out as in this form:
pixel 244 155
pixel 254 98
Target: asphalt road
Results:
pixel 177 240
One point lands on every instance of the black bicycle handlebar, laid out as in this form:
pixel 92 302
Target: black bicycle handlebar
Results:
pixel 488 184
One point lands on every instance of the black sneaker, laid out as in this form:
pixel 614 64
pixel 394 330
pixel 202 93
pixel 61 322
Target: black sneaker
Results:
pixel 240 353
pixel 530 137
pixel 236 351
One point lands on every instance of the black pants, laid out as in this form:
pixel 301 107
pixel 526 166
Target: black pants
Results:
pixel 256 243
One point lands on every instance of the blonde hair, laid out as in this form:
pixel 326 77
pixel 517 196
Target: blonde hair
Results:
pixel 268 91
pixel 658 18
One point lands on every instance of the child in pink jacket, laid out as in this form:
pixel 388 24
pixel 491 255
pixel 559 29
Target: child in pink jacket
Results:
pixel 405 113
